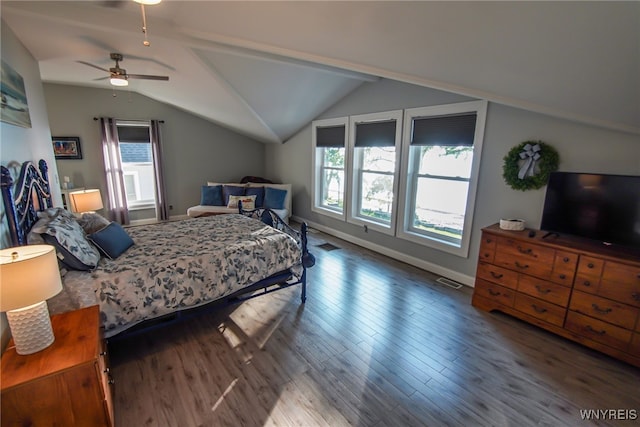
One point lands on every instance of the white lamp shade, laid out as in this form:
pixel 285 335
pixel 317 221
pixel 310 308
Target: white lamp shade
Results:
pixel 28 275
pixel 85 201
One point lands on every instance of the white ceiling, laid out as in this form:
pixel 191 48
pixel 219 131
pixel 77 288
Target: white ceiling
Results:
pixel 265 69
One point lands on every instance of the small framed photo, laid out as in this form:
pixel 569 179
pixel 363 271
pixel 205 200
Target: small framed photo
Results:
pixel 66 147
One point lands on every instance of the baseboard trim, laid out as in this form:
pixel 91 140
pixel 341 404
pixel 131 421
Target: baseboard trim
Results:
pixel 416 262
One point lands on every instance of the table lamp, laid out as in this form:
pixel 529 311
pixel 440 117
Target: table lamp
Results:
pixel 85 201
pixel 29 275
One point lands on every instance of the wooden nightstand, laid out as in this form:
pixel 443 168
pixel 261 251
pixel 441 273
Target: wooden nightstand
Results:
pixel 66 384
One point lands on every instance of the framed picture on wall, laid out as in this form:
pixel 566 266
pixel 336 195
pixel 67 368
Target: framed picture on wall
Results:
pixel 66 147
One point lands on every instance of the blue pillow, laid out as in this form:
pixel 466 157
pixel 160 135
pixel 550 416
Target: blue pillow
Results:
pixel 211 195
pixel 112 240
pixel 274 198
pixel 258 192
pixel 231 190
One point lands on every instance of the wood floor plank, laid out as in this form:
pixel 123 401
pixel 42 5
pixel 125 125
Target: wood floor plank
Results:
pixel 378 343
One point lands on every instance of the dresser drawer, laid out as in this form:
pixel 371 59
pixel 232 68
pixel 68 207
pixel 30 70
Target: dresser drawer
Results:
pixel 525 257
pixel 544 290
pixel 586 283
pixel 597 330
pixel 634 347
pixel 540 309
pixel 604 309
pixel 504 296
pixel 487 247
pixel 590 266
pixel 499 275
pixel 621 282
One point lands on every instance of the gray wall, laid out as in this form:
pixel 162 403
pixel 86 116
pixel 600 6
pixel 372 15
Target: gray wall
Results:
pixel 581 148
pixel 195 150
pixel 22 144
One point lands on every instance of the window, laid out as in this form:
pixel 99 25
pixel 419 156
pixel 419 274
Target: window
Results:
pixel 440 163
pixel 137 164
pixel 375 144
pixel 329 160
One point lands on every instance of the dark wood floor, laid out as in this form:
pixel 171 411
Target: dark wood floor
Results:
pixel 378 343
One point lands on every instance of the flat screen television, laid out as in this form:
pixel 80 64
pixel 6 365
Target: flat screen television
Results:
pixel 600 207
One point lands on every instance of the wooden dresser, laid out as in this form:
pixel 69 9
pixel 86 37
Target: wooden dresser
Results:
pixel 66 384
pixel 579 289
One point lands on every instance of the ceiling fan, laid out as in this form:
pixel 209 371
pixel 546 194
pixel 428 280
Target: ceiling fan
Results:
pixel 118 76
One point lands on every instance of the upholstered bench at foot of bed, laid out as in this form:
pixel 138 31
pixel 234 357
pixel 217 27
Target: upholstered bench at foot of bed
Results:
pixel 202 210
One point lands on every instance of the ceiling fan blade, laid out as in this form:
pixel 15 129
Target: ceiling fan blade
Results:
pixel 147 77
pixel 100 78
pixel 94 66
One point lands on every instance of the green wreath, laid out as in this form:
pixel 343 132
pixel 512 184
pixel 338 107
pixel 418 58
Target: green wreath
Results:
pixel 524 172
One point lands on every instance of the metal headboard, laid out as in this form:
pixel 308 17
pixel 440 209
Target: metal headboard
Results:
pixel 32 194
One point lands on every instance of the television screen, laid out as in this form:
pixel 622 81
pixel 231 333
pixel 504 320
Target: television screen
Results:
pixel 599 207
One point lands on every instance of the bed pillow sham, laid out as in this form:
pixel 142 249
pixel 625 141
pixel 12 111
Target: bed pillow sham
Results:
pixel 92 222
pixel 248 202
pixel 211 195
pixel 258 192
pixel 72 247
pixel 231 190
pixel 274 198
pixel 112 240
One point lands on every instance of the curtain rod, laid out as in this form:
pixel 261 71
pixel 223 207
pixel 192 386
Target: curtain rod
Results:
pixel 97 118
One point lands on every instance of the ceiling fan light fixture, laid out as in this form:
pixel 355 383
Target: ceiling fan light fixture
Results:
pixel 147 2
pixel 119 81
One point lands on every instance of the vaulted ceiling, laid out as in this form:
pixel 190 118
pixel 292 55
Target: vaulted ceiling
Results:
pixel 265 69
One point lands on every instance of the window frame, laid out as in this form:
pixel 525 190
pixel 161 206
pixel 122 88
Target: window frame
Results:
pixel 355 171
pixel 409 177
pixel 318 167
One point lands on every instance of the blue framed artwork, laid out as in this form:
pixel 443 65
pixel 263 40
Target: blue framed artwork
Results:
pixel 15 109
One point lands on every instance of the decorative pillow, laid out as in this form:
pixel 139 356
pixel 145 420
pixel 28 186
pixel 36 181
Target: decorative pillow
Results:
pixel 211 195
pixel 72 247
pixel 274 198
pixel 92 222
pixel 51 213
pixel 248 202
pixel 112 240
pixel 231 190
pixel 258 192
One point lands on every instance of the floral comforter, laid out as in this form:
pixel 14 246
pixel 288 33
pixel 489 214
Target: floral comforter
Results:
pixel 182 264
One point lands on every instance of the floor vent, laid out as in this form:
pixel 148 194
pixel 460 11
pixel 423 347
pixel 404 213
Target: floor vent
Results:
pixel 449 283
pixel 328 246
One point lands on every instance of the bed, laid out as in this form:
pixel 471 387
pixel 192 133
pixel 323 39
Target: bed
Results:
pixel 173 267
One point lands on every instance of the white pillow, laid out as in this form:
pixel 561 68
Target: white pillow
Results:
pixel 248 202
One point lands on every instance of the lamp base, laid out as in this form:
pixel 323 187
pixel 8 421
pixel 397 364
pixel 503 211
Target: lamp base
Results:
pixel 31 328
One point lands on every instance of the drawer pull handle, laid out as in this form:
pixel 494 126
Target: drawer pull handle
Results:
pixel 496 275
pixel 601 310
pixel 563 276
pixel 523 266
pixel 590 265
pixel 587 283
pixel 103 353
pixel 494 293
pixel 590 329
pixel 538 309
pixel 107 370
pixel 489 241
pixel 542 291
pixel 111 381
pixel 487 255
pixel 635 296
pixel 524 251
pixel 565 259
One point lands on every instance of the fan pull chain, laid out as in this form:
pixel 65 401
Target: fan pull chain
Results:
pixel 144 26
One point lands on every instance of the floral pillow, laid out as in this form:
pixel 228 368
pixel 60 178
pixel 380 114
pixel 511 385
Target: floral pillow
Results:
pixel 248 202
pixel 72 247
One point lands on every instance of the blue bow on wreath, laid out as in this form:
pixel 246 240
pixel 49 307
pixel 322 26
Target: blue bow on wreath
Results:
pixel 531 154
